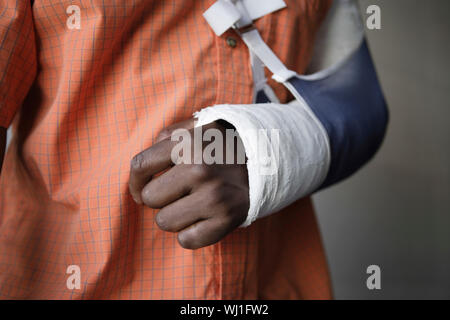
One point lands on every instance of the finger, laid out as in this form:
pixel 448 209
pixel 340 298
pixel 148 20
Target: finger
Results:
pixel 167 132
pixel 147 163
pixel 172 185
pixel 204 233
pixel 183 213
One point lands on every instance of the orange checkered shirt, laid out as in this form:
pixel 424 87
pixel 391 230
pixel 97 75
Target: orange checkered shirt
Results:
pixel 83 102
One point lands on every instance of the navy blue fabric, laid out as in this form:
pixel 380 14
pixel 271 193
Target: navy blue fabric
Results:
pixel 351 106
pixel 261 97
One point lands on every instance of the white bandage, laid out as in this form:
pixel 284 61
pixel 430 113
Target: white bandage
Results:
pixel 294 134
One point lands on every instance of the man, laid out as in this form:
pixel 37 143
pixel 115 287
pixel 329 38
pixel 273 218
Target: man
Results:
pixel 94 86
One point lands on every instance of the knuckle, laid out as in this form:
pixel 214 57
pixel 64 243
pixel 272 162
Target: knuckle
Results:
pixel 228 215
pixel 226 226
pixel 137 163
pixel 217 193
pixel 161 221
pixel 216 196
pixel 187 242
pixel 229 205
pixel 149 199
pixel 201 172
pixel 163 134
pixel 229 218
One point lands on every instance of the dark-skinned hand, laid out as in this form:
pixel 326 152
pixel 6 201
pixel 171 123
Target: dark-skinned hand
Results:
pixel 200 202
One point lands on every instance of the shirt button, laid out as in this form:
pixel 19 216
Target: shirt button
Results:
pixel 231 42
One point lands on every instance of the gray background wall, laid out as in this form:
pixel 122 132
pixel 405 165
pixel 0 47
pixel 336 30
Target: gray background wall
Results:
pixel 395 213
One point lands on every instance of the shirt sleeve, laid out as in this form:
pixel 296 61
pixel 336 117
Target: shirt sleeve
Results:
pixel 17 56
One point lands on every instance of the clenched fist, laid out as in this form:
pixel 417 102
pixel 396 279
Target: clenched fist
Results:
pixel 202 202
